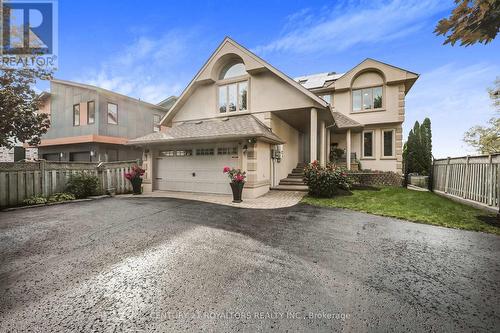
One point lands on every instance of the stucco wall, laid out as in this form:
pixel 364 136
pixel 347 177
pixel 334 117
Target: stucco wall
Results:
pixel 290 149
pixel 389 113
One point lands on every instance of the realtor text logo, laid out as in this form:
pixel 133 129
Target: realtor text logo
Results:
pixel 28 33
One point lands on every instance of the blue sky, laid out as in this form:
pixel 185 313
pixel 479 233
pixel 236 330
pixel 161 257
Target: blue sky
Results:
pixel 152 49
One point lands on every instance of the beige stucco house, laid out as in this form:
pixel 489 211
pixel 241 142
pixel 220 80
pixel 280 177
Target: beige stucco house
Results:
pixel 242 112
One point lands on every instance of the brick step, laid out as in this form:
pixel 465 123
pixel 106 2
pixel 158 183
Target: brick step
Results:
pixel 301 188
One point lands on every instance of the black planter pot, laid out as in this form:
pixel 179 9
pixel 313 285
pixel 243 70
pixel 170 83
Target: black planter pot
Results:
pixel 136 185
pixel 237 190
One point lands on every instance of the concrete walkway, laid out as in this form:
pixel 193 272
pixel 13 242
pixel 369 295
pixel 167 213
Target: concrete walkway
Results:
pixel 270 200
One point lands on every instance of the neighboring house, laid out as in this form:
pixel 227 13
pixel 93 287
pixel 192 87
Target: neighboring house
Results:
pixel 89 123
pixel 17 153
pixel 240 111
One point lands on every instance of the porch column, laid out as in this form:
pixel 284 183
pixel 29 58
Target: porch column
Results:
pixel 322 142
pixel 348 149
pixel 327 148
pixel 313 133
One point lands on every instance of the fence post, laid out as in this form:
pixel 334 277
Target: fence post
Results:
pixel 430 182
pixel 466 178
pixel 490 181
pixel 447 175
pixel 43 181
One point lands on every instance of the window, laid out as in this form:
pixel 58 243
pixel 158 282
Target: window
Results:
pixel 156 123
pixel 90 112
pixel 180 153
pixel 167 153
pixel 112 114
pixel 388 144
pixel 76 115
pixel 368 144
pixel 232 70
pixel 204 151
pixel 327 98
pixel 367 99
pixel 233 97
pixel 227 151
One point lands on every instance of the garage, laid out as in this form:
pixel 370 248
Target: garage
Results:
pixel 195 168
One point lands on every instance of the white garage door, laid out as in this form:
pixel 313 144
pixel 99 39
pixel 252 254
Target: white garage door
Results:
pixel 195 169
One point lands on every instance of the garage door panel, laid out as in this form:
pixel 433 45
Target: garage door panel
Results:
pixel 175 173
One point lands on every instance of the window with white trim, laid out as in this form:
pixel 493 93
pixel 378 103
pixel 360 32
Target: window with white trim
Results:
pixel 181 153
pixel 233 97
pixel 227 151
pixel 112 114
pixel 156 123
pixel 367 99
pixel 167 153
pixel 204 151
pixel 327 98
pixel 368 147
pixel 388 143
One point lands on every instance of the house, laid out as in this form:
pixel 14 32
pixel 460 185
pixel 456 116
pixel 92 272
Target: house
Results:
pixel 242 112
pixel 92 124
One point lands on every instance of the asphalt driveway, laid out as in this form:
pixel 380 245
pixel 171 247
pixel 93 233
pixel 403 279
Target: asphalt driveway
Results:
pixel 172 265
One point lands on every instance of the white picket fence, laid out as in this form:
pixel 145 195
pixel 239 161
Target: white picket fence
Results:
pixel 22 180
pixel 474 178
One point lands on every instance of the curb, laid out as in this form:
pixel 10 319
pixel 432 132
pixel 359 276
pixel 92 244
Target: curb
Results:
pixel 56 203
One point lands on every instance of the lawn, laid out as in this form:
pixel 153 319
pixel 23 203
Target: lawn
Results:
pixel 423 207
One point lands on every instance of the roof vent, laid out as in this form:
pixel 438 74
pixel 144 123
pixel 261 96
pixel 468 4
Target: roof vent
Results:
pixel 225 119
pixel 332 73
pixel 198 122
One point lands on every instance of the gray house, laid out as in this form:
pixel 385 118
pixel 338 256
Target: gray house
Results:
pixel 92 124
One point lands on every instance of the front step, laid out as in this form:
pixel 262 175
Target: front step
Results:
pixel 292 181
pixel 301 188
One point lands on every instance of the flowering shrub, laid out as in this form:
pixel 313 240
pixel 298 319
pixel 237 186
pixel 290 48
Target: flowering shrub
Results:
pixel 235 175
pixel 136 173
pixel 326 181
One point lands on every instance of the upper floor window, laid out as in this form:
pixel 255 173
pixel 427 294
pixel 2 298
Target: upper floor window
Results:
pixel 327 98
pixel 233 97
pixel 76 115
pixel 232 70
pixel 112 114
pixel 367 99
pixel 90 112
pixel 156 123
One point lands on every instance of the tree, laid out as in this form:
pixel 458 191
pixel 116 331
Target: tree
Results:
pixel 417 152
pixel 19 120
pixel 471 21
pixel 486 139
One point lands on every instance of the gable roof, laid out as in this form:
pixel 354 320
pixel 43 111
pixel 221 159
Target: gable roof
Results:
pixel 235 127
pixel 342 121
pixel 173 110
pixel 105 91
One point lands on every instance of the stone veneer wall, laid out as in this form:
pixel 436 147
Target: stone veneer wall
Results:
pixel 377 178
pixel 399 129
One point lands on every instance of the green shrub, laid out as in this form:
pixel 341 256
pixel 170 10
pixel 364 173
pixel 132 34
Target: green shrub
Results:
pixel 59 197
pixel 326 181
pixel 82 185
pixel 35 200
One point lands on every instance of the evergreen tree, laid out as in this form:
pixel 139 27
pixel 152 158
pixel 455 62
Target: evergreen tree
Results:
pixel 417 152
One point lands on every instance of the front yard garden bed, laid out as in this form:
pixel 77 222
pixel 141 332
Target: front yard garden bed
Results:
pixel 423 207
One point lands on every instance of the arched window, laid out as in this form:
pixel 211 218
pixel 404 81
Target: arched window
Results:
pixel 232 70
pixel 233 95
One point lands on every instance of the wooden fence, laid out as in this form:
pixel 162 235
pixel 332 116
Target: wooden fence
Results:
pixel 474 178
pixel 22 180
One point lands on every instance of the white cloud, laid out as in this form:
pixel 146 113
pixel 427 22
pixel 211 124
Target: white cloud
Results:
pixel 349 24
pixel 148 68
pixel 455 98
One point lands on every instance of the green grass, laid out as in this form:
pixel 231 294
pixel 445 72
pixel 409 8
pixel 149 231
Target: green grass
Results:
pixel 423 207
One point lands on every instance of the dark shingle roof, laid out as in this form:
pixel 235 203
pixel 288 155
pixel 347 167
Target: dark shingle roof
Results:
pixel 218 128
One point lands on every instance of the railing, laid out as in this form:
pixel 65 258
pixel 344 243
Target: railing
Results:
pixel 22 180
pixel 474 178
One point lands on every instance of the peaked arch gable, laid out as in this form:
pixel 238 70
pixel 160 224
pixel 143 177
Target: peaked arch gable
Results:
pixel 227 51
